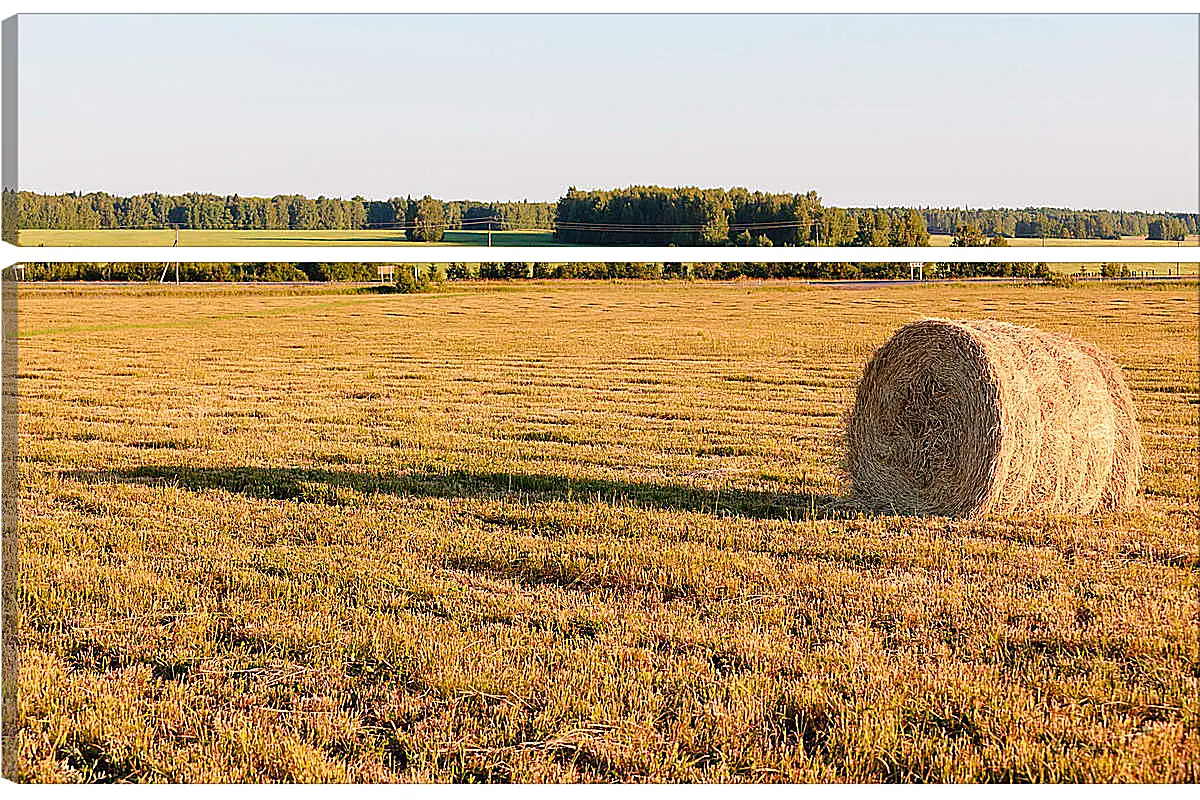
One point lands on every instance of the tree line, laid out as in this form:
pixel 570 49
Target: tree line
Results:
pixel 691 216
pixel 1062 223
pixel 100 210
pixel 409 276
pixel 658 215
pixel 726 271
pixel 270 271
pixel 636 215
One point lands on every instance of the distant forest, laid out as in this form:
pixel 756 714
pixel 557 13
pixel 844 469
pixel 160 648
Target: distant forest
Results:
pixel 1062 223
pixel 692 216
pixel 99 210
pixel 656 215
pixel 638 215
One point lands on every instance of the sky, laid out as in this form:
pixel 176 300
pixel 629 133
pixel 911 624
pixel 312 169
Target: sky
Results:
pixel 1096 111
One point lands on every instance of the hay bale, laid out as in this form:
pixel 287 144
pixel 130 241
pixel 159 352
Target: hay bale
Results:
pixel 965 419
pixel 1121 493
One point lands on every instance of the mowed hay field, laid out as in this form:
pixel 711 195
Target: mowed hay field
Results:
pixel 569 532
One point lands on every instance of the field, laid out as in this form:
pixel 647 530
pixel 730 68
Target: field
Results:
pixel 569 532
pixel 230 238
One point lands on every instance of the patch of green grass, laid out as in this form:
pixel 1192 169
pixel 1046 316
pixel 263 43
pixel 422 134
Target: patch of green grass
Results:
pixel 376 238
pixel 568 532
pixel 271 238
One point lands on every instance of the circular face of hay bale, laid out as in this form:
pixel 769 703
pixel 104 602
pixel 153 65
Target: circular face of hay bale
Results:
pixel 968 418
pixel 924 435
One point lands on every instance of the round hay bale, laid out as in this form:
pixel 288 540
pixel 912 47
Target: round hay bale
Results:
pixel 1125 483
pixel 965 419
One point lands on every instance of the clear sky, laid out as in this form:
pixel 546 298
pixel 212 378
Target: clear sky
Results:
pixel 1079 111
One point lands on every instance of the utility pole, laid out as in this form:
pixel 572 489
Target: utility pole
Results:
pixel 163 278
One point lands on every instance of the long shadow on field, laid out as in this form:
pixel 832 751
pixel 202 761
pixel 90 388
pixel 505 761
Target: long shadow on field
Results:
pixel 334 487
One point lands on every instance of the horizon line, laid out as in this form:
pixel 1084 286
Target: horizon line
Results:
pixel 410 195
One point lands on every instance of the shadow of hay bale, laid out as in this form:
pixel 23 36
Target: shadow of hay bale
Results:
pixel 337 487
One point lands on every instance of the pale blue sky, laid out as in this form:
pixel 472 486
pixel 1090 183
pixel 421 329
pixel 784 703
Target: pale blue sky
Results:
pixel 1081 111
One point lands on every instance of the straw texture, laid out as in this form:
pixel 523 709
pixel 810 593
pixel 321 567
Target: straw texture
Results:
pixel 967 419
